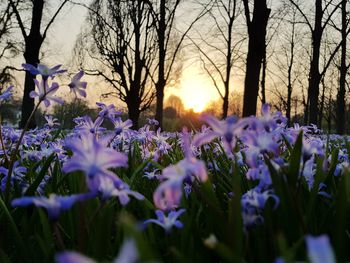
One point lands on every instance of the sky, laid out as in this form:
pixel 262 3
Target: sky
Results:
pixel 195 89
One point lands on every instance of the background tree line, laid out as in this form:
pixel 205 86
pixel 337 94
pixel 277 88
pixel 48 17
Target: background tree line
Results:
pixel 292 54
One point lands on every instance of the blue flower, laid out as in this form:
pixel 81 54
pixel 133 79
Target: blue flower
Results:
pixel 54 205
pixel 319 249
pixel 227 129
pixel 43 70
pixel 72 257
pixel 77 86
pixel 253 202
pixel 6 94
pixel 45 93
pixel 167 222
pixel 85 124
pixel 113 186
pixel 18 174
pixel 108 112
pixel 128 253
pixel 51 121
pixel 94 158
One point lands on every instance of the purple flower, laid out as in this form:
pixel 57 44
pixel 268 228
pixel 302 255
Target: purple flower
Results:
pixel 309 172
pixel 43 70
pixel 94 158
pixel 253 202
pixel 167 222
pixel 72 257
pixel 227 129
pixel 51 121
pixel 121 126
pixel 110 187
pixel 161 142
pixel 319 249
pixel 78 86
pixel 108 112
pixel 267 121
pixel 128 253
pixel 54 205
pixel 18 174
pixel 261 173
pixel 45 93
pixel 168 194
pixel 152 122
pixel 85 124
pixel 6 94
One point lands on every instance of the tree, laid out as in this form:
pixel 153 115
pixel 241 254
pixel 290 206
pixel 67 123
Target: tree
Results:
pixel 322 17
pixel 219 51
pixel 256 25
pixel 343 69
pixel 163 13
pixel 8 49
pixel 33 37
pixel 287 59
pixel 122 41
pixel 218 59
pixel 175 102
pixel 70 110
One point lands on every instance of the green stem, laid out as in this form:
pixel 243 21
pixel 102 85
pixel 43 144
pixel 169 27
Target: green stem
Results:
pixel 58 236
pixel 2 142
pixel 14 153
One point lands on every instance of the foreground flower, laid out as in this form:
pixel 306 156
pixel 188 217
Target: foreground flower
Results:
pixel 167 222
pixel 43 70
pixel 72 257
pixel 128 253
pixel 114 187
pixel 227 129
pixel 94 158
pixel 77 86
pixel 45 93
pixel 168 194
pixel 319 249
pixel 253 203
pixel 54 205
pixel 18 173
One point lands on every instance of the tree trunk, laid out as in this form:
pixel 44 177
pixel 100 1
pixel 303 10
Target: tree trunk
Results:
pixel 33 44
pixel 263 78
pixel 315 76
pixel 343 70
pixel 256 47
pixel 289 105
pixel 160 85
pixel 225 103
pixel 134 115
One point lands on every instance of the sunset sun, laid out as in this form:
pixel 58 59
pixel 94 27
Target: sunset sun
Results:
pixel 196 91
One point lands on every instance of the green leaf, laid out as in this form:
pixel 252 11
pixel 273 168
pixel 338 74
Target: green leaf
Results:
pixel 34 186
pixel 22 249
pixel 294 163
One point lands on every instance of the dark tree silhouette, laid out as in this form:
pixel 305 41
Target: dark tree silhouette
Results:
pixel 218 59
pixel 256 51
pixel 33 40
pixel 8 48
pixel 123 41
pixel 343 69
pixel 163 12
pixel 323 15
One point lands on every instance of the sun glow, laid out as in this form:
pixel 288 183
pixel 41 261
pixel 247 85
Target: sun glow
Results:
pixel 196 91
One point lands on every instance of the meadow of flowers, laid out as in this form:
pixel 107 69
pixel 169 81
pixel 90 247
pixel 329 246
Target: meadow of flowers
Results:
pixel 238 190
